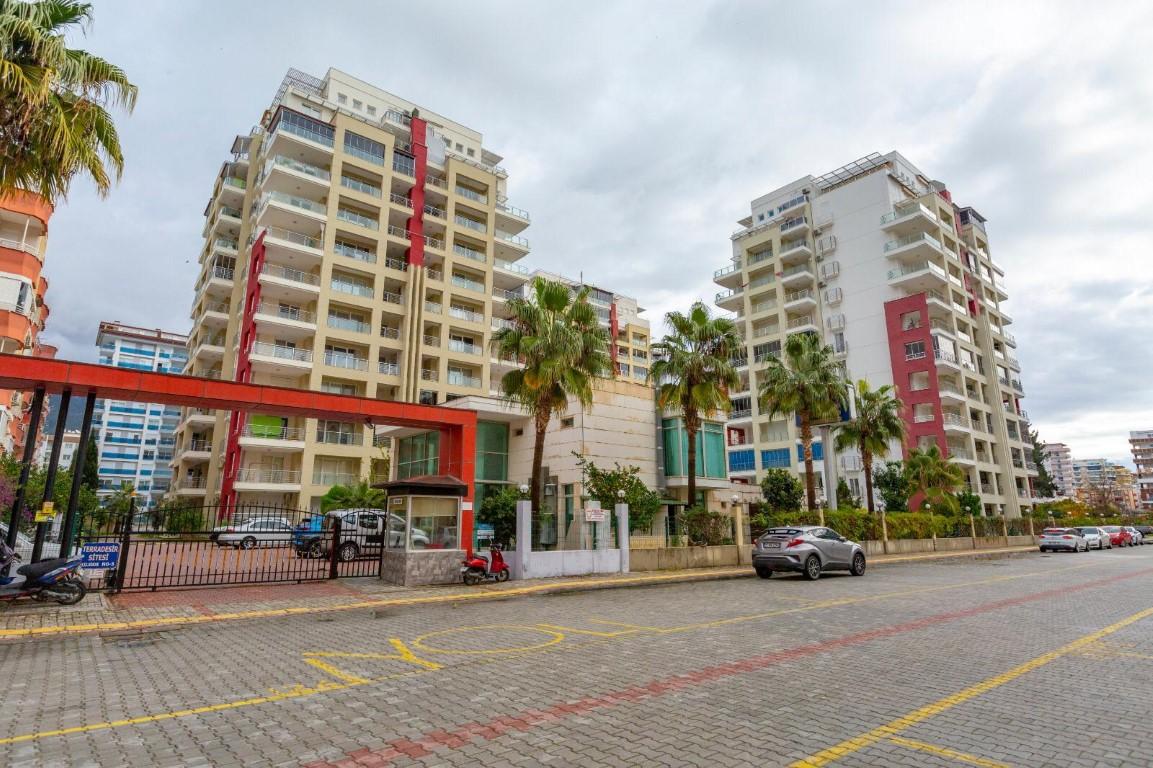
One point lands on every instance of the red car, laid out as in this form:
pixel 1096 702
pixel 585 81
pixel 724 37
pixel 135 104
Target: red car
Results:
pixel 1118 535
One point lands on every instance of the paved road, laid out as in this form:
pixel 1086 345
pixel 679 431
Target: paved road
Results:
pixel 1035 661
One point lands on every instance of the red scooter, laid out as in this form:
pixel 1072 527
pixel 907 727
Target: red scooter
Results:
pixel 477 568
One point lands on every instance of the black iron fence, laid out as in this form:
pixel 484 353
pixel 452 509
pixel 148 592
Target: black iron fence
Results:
pixel 213 545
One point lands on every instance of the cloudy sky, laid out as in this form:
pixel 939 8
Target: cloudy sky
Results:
pixel 636 133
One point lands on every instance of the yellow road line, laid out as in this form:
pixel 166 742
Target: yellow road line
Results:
pixel 951 754
pixel 903 723
pixel 179 621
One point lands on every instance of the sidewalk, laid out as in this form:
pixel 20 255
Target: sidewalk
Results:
pixel 133 612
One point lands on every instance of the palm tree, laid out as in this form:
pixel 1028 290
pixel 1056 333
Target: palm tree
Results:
pixel 558 337
pixel 809 382
pixel 692 368
pixel 934 477
pixel 358 496
pixel 878 422
pixel 54 120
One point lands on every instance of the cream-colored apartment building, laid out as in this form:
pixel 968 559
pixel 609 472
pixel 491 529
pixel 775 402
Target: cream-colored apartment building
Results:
pixel 879 261
pixel 356 243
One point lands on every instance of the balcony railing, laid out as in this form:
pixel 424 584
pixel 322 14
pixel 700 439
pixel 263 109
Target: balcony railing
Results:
pixel 290 274
pixel 956 420
pixel 389 369
pixel 945 356
pixel 304 132
pixel 455 345
pixel 339 437
pixel 272 432
pixel 285 312
pixel 192 482
pixel 725 271
pixel 906 209
pixel 795 245
pixel 429 375
pixel 281 352
pixel 920 267
pixel 348 324
pixel 471 195
pixel 345 360
pixel 306 168
pixel 465 314
pixel 359 219
pixel 396 231
pixel 504 293
pixel 269 476
pixel 458 379
pixel 508 266
pixel 804 293
pixel 798 322
pixel 354 252
pixel 431 341
pixel 224 273
pixel 293 201
pixel 920 237
pixel 401 166
pixel 351 288
pixel 514 239
pixel 227 243
pixel 464 282
pixel 293 237
pixel 469 253
pixel 363 187
pixel 388 297
pixel 433 307
pixel 512 210
pixel 729 294
pixel 198 446
pixel 798 269
pixel 464 221
pixel 432 210
pixel 320 477
pixel 793 223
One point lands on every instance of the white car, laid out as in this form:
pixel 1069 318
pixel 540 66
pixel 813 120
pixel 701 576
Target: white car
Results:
pixel 232 527
pixel 1097 538
pixel 49 551
pixel 256 532
pixel 1138 537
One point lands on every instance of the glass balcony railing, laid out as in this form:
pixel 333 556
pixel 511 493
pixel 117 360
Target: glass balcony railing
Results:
pixel 469 253
pixel 360 186
pixel 920 237
pixel 285 312
pixel 304 132
pixel 290 274
pixel 461 313
pixel 352 217
pixel 302 203
pixel 464 221
pixel 464 347
pixel 371 157
pixel 353 289
pixel 458 379
pixel 348 324
pixel 345 360
pixel 512 210
pixel 351 251
pixel 464 282
pixel 281 352
pixel 268 476
pixel 389 369
pixel 305 168
pixel 339 437
pixel 514 239
pixel 296 238
pixel 471 194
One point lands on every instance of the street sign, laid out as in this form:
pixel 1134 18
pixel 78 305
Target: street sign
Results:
pixel 100 555
pixel 46 512
pixel 485 531
pixel 594 515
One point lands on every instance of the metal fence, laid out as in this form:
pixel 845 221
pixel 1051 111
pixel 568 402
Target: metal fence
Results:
pixel 196 546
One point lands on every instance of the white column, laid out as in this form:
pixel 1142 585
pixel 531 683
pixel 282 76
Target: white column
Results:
pixel 520 565
pixel 622 511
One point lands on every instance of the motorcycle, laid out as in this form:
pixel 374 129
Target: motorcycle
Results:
pixel 477 568
pixel 59 579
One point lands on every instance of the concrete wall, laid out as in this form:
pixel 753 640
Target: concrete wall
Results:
pixel 678 558
pixel 572 562
pixel 415 569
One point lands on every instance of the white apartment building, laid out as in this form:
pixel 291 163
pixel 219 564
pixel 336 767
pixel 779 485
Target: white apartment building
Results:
pixel 1058 462
pixel 877 259
pixel 1141 445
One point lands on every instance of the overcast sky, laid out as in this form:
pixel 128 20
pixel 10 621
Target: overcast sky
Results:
pixel 637 133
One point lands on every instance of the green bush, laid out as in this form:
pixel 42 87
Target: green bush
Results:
pixel 704 527
pixel 499 510
pixel 183 520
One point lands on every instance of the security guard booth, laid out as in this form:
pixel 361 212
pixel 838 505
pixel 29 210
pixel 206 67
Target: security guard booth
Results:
pixel 426 531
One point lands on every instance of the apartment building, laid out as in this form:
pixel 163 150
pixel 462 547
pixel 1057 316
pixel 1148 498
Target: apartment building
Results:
pixel 878 260
pixel 1141 446
pixel 23 310
pixel 135 441
pixel 1102 481
pixel 1058 462
pixel 354 243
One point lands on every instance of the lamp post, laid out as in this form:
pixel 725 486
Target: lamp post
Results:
pixel 932 526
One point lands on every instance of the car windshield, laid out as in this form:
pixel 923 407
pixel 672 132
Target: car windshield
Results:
pixel 1112 529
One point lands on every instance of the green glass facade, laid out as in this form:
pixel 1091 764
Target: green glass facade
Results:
pixel 420 455
pixel 710 449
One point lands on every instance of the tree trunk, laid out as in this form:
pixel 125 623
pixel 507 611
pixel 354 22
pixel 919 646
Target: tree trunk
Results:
pixel 810 478
pixel 536 484
pixel 867 460
pixel 691 432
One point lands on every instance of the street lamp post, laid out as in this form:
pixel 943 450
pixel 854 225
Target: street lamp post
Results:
pixel 932 525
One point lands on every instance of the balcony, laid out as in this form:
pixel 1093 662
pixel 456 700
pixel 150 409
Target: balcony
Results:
pixel 796 224
pixel 364 188
pixel 271 438
pixel 470 285
pixel 730 299
pixel 315 138
pixel 435 212
pixel 513 242
pixel 946 360
pixel 796 251
pixel 225 245
pixel 730 275
pixel 800 301
pixel 341 323
pixel 917 247
pixel 952 394
pixel 428 374
pixel 292 205
pixel 339 437
pixel 285 282
pixel 214 314
pixel 798 276
pixel 460 313
pixel 359 219
pixel 289 245
pixel 351 287
pixel 199 417
pixel 192 486
pixel 321 477
pixel 280 358
pixel 920 277
pixel 285 319
pixel 461 379
pixel 209 350
pixel 196 451
pixel 959 455
pixel 298 170
pixel 353 251
pixel 345 360
pixel 469 253
pixel 473 195
pixel 954 422
pixel 473 224
pixel 277 480
pixel 388 369
pixel 464 347
pixel 908 219
pixel 218 281
pixel 512 218
pixel 804 324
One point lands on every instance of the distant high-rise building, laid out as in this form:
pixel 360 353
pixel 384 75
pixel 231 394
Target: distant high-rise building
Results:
pixel 1058 462
pixel 68 445
pixel 877 260
pixel 23 311
pixel 1100 481
pixel 1141 445
pixel 135 440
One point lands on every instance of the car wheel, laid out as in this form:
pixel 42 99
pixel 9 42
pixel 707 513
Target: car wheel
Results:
pixel 315 550
pixel 813 568
pixel 858 566
pixel 348 551
pixel 765 573
pixel 248 543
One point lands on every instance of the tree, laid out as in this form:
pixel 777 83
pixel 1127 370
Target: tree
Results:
pixel 878 422
pixel 1043 486
pixel 809 382
pixel 693 372
pixel 894 486
pixel 54 100
pixel 782 490
pixel 499 510
pixel 559 338
pixel 845 498
pixel 361 495
pixel 604 485
pixel 934 477
pixel 91 477
pixel 969 503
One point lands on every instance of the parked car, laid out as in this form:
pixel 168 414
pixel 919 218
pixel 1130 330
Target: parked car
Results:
pixel 48 551
pixel 1138 537
pixel 1146 533
pixel 256 532
pixel 360 534
pixel 1118 535
pixel 1058 539
pixel 306 537
pixel 807 549
pixel 232 527
pixel 1097 538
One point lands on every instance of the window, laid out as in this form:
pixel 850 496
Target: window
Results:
pixel 818 452
pixel 357 104
pixel 341 98
pixel 915 350
pixel 371 110
pixel 436 518
pixel 567 422
pixel 418 455
pixel 742 461
pixel 777 458
pixel 491 451
pixel 459 147
pixel 911 320
pixel 470 152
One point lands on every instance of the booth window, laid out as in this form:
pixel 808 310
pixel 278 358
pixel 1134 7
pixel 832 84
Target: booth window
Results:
pixel 438 518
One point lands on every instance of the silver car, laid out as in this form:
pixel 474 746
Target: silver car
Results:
pixel 1138 537
pixel 807 549
pixel 1095 537
pixel 1069 539
pixel 256 532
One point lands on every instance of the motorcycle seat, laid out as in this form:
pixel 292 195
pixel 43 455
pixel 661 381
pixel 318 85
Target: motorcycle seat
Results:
pixel 33 571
